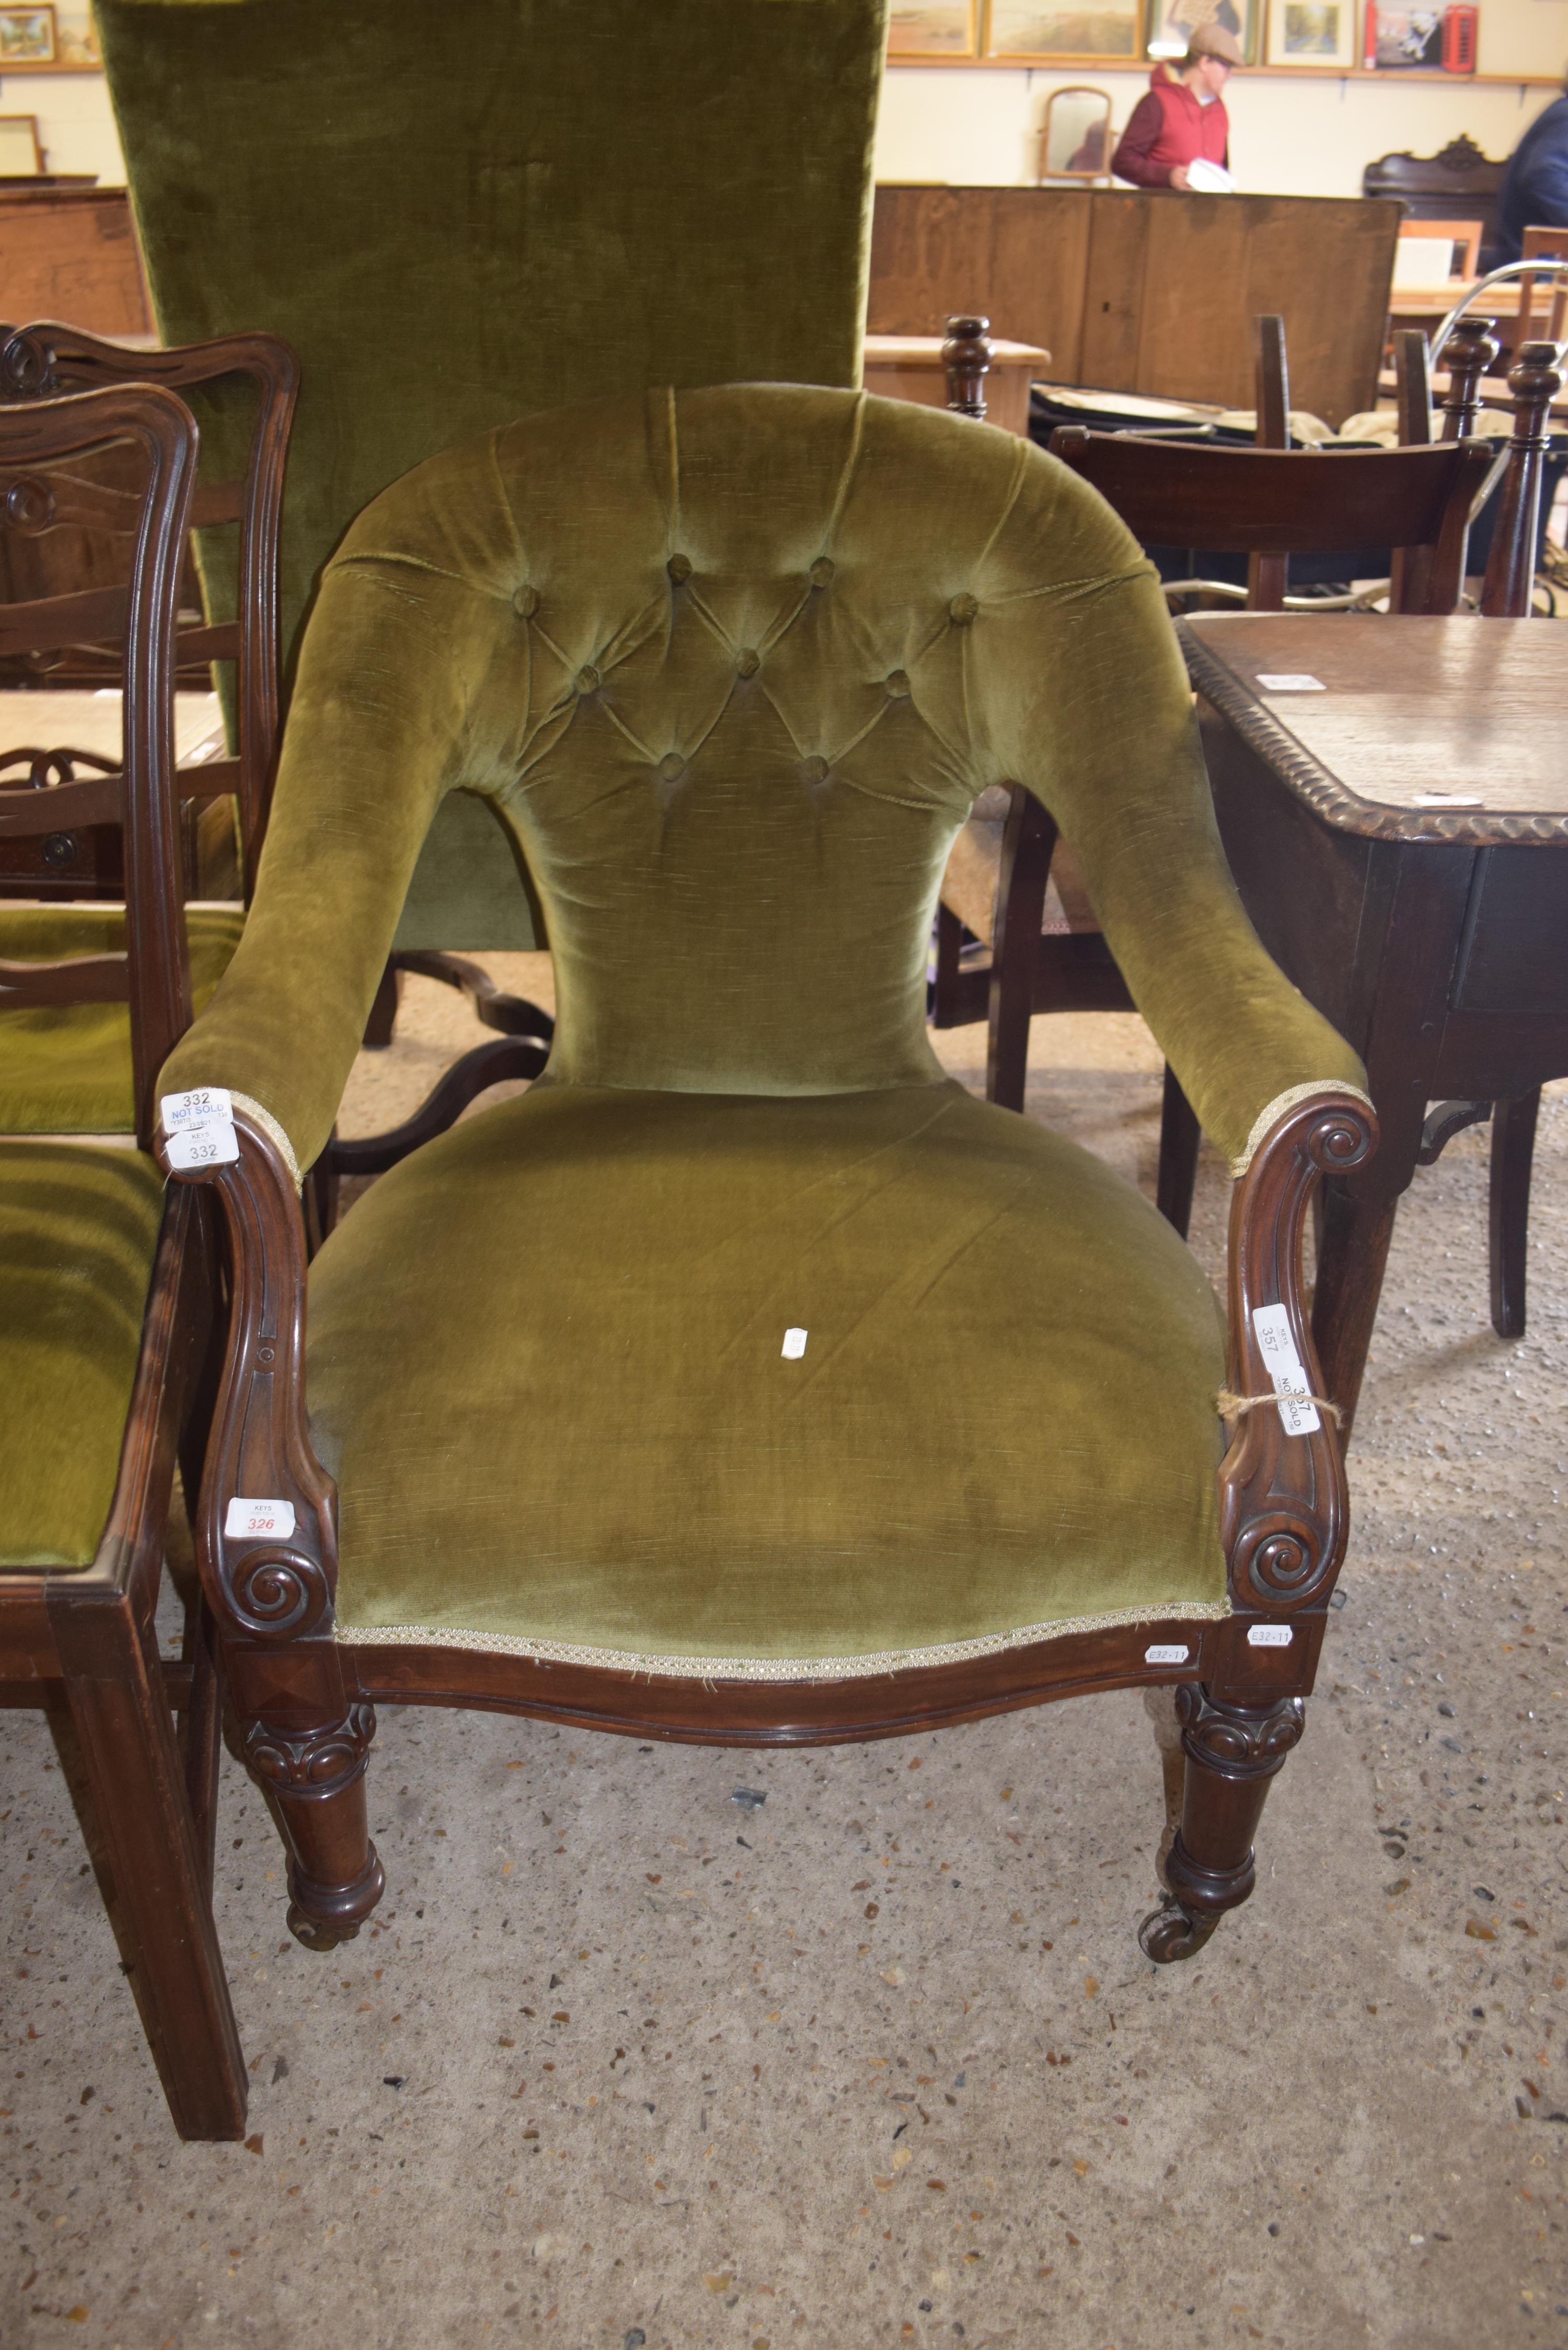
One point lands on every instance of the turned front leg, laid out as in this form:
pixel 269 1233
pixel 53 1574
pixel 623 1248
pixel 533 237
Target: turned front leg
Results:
pixel 1232 1752
pixel 315 1781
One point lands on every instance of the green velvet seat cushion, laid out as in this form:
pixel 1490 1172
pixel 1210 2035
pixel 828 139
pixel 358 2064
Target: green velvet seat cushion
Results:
pixel 66 1068
pixel 562 1420
pixel 78 1229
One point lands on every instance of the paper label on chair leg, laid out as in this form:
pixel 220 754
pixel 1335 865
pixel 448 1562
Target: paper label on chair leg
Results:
pixel 201 1107
pixel 262 1520
pixel 1268 1636
pixel 1165 1652
pixel 1285 1367
pixel 794 1345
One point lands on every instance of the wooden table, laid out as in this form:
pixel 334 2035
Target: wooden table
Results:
pixel 1400 839
pixel 910 366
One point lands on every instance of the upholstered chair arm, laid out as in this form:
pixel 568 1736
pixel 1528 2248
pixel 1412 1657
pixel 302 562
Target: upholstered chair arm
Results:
pixel 1283 1501
pixel 1093 715
pixel 377 732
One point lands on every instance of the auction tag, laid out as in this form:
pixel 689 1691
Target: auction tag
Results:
pixel 1268 1636
pixel 1273 1325
pixel 204 1146
pixel 200 1127
pixel 265 1521
pixel 794 1345
pixel 179 1111
pixel 1169 1653
pixel 1292 682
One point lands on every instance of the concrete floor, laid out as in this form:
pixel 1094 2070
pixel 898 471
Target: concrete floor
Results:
pixel 898 2073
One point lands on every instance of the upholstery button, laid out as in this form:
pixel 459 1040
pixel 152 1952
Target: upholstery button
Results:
pixel 748 664
pixel 898 683
pixel 962 609
pixel 821 571
pixel 525 602
pixel 678 567
pixel 672 766
pixel 814 771
pixel 588 680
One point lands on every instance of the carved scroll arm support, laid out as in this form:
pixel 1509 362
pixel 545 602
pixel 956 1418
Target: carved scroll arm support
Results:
pixel 273 1582
pixel 1283 1500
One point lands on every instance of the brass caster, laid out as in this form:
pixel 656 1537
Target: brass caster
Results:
pixel 1169 1933
pixel 316 1934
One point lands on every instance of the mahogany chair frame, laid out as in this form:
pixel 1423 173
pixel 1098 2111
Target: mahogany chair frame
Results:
pixel 45 359
pixel 305 1694
pixel 84 1641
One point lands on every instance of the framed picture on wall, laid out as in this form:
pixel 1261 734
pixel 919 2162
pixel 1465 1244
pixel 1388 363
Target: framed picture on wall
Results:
pixel 1080 32
pixel 1312 32
pixel 27 37
pixel 932 28
pixel 1427 39
pixel 1172 22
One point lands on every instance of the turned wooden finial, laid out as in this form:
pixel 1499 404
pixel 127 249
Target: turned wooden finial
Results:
pixel 966 356
pixel 1471 353
pixel 1535 379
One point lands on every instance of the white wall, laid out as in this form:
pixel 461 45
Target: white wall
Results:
pixel 976 126
pixel 75 124
pixel 1288 137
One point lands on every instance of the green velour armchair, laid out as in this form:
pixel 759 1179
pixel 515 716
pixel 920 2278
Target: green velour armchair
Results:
pixel 747 1379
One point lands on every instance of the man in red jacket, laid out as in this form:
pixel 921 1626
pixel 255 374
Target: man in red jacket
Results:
pixel 1183 117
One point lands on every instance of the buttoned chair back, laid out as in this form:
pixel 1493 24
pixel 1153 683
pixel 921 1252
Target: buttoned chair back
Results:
pixel 732 666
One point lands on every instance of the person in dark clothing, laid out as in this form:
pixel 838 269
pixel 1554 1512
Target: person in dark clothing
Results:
pixel 1183 115
pixel 1535 185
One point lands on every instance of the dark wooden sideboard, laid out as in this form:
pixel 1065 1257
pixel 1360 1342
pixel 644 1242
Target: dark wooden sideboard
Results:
pixel 1141 291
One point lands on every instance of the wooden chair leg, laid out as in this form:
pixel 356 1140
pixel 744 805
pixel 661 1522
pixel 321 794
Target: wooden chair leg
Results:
pixel 315 1779
pixel 383 1016
pixel 1179 1137
pixel 1231 1752
pixel 944 979
pixel 157 1888
pixel 204 1729
pixel 1353 1251
pixel 1026 850
pixel 1512 1156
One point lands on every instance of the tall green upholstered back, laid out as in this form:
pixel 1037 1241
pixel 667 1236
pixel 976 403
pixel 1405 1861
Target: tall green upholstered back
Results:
pixel 461 216
pixel 733 665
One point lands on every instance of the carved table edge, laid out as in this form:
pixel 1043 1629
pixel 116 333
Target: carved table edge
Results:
pixel 1323 791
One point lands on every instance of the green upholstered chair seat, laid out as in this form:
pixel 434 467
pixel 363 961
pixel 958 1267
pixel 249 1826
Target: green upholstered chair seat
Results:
pixel 562 1420
pixel 78 1229
pixel 65 1069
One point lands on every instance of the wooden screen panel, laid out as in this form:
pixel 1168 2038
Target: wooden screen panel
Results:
pixel 1018 255
pixel 1214 264
pixel 1135 291
pixel 71 254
